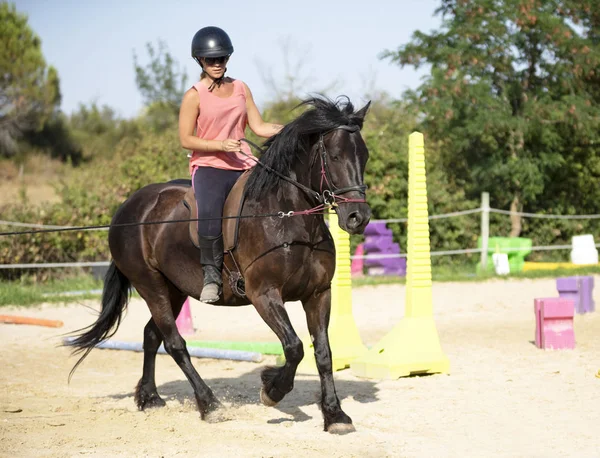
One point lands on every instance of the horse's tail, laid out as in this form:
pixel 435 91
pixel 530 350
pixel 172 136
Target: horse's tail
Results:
pixel 115 296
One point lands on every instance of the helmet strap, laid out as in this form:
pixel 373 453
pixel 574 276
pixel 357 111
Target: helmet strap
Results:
pixel 216 82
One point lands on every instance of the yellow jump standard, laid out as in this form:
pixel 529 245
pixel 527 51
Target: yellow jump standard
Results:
pixel 412 346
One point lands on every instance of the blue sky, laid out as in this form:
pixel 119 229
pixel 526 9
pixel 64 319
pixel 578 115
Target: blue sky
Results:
pixel 91 43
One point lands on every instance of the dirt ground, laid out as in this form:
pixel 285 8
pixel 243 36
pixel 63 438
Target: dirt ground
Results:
pixel 504 397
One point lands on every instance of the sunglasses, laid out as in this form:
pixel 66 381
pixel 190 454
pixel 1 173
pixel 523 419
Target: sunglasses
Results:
pixel 215 60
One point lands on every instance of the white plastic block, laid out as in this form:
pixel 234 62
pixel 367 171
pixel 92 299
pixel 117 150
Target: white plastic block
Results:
pixel 501 265
pixel 584 250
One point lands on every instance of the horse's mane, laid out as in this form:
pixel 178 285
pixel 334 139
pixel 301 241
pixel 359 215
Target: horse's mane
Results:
pixel 293 140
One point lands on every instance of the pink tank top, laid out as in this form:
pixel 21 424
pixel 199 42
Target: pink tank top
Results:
pixel 220 119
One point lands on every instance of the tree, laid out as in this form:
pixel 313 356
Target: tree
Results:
pixel 162 84
pixel 98 130
pixel 29 89
pixel 55 139
pixel 512 98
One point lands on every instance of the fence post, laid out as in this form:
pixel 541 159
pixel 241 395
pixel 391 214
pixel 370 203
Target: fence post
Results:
pixel 485 228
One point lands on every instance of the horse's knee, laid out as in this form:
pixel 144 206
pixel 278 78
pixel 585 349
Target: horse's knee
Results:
pixel 294 352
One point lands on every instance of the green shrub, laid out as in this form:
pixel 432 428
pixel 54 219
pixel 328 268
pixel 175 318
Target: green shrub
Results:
pixel 89 198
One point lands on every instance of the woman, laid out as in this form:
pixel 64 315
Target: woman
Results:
pixel 217 108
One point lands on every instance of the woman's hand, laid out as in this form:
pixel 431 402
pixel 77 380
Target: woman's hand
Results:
pixel 231 146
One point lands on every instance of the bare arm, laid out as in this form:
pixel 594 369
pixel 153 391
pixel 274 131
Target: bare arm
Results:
pixel 188 114
pixel 255 120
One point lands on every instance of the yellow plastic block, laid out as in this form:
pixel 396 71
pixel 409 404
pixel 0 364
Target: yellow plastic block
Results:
pixel 529 266
pixel 412 346
pixel 344 338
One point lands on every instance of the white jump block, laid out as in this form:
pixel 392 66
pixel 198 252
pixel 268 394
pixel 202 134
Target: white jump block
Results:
pixel 584 250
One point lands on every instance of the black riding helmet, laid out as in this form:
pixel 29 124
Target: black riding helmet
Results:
pixel 211 42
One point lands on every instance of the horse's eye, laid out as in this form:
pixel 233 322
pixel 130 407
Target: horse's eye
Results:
pixel 335 158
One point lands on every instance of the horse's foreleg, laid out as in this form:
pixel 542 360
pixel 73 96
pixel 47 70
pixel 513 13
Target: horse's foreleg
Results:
pixel 278 381
pixel 318 309
pixel 146 394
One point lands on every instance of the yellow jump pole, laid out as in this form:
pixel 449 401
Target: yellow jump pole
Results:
pixel 344 338
pixel 412 346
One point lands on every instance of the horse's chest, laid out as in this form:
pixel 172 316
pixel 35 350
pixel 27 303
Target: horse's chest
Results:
pixel 309 269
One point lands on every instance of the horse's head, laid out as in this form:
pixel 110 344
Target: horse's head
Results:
pixel 339 159
pixel 322 153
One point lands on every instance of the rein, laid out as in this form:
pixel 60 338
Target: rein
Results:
pixel 331 196
pixel 306 189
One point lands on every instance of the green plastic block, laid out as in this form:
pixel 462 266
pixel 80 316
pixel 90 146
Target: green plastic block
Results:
pixel 517 248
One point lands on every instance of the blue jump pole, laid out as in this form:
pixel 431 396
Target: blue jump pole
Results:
pixel 215 353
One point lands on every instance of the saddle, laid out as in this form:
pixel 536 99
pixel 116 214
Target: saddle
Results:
pixel 233 206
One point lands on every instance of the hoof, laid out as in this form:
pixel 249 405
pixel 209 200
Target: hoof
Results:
pixel 150 402
pixel 265 399
pixel 341 428
pixel 216 416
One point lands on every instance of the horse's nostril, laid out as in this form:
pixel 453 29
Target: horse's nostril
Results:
pixel 354 219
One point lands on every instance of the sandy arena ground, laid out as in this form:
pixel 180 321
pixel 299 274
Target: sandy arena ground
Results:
pixel 504 397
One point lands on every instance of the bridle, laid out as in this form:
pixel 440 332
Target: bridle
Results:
pixel 330 195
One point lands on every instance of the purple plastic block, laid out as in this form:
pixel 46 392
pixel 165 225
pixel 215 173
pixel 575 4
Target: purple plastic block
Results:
pixel 587 298
pixel 378 228
pixel 568 288
pixel 381 245
pixel 379 240
pixel 391 266
pixel 394 266
pixel 579 290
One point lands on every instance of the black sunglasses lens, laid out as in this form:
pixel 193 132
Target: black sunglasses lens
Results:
pixel 215 60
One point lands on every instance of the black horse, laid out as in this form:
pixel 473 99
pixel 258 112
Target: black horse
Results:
pixel 315 161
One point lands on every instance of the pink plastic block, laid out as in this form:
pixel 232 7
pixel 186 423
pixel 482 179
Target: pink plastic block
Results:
pixel 184 323
pixel 537 307
pixel 555 323
pixel 356 268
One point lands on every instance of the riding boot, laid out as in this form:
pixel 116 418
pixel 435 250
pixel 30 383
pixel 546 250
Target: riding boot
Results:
pixel 211 258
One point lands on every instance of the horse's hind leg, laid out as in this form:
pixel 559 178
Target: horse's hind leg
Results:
pixel 318 309
pixel 146 395
pixel 159 299
pixel 278 381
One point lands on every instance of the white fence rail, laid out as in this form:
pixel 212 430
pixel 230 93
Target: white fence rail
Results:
pixel 51 265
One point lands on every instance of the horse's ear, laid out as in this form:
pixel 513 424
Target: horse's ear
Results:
pixel 363 111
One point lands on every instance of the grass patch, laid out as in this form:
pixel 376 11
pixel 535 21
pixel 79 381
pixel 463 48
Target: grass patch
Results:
pixel 25 292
